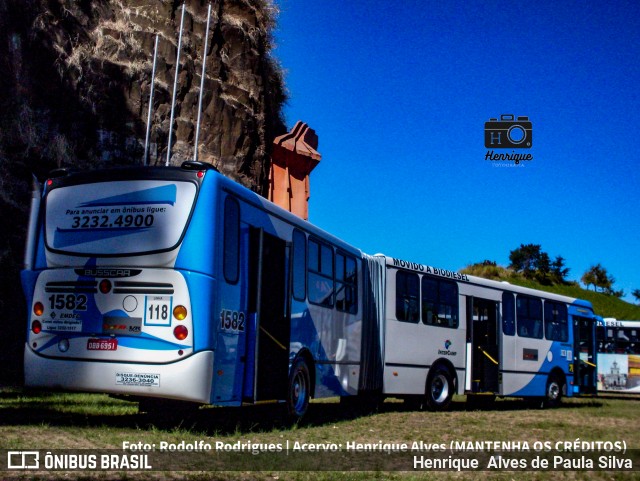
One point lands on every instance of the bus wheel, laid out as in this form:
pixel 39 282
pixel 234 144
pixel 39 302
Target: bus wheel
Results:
pixel 553 394
pixel 299 390
pixel 439 389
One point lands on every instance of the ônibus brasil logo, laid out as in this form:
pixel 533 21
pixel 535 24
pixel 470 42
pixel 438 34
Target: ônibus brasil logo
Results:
pixel 447 352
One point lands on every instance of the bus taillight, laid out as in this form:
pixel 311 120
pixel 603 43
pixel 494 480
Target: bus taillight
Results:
pixel 180 313
pixel 181 332
pixel 38 309
pixel 36 327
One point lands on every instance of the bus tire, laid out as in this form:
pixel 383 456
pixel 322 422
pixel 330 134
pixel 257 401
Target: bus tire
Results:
pixel 439 389
pixel 299 390
pixel 553 393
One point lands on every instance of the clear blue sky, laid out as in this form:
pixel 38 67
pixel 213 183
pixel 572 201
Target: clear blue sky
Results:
pixel 399 91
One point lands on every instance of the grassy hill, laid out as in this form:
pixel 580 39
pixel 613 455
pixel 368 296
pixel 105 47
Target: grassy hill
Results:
pixel 603 304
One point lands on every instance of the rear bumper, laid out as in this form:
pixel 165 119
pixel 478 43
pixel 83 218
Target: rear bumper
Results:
pixel 188 379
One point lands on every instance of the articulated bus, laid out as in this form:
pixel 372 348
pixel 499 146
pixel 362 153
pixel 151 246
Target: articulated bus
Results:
pixel 178 283
pixel 618 356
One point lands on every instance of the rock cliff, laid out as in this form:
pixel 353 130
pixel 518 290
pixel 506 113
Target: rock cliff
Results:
pixel 80 74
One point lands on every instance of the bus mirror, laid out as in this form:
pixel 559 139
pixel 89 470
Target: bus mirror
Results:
pixel 196 165
pixel 61 172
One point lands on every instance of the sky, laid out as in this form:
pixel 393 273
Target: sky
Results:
pixel 399 93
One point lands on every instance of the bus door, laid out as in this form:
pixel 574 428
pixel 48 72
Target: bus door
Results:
pixel 584 359
pixel 482 333
pixel 268 294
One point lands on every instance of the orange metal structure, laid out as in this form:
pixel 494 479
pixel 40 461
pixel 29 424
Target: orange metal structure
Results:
pixel 294 157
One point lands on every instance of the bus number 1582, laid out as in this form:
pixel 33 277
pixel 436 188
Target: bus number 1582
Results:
pixel 232 320
pixel 70 302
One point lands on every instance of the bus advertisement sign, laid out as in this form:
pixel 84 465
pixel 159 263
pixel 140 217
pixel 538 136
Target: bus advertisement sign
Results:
pixel 149 214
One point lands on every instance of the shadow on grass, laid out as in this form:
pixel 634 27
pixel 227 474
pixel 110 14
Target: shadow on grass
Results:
pixel 620 396
pixel 39 408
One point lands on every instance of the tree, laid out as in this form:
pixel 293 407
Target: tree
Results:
pixel 534 263
pixel 543 268
pixel 600 278
pixel 589 278
pixel 559 271
pixel 526 259
pixel 605 281
pixel 636 293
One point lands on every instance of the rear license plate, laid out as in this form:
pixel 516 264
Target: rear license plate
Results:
pixel 102 344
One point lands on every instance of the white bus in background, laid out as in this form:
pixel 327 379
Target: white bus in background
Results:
pixel 618 345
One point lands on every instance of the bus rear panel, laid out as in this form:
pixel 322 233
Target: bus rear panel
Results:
pixel 108 309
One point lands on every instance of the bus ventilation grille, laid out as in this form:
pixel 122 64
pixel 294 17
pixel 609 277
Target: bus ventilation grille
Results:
pixel 129 287
pixel 88 287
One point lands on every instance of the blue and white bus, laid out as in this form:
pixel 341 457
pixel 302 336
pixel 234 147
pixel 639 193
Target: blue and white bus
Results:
pixel 178 283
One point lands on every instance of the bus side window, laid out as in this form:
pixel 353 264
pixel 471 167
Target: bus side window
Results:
pixel 611 343
pixel 448 303
pixel 231 242
pixel 320 274
pixel 407 291
pixel 508 314
pixel 624 340
pixel 346 284
pixel 299 265
pixel 633 348
pixel 529 312
pixel 439 302
pixel 430 301
pixel 556 321
pixel 600 338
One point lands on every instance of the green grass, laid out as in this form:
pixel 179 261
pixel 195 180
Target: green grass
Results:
pixel 30 420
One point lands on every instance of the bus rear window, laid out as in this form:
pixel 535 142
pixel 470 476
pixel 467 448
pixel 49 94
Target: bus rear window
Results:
pixel 118 218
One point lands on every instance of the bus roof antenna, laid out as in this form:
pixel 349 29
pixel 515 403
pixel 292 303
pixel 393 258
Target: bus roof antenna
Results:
pixel 145 158
pixel 204 63
pixel 175 87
